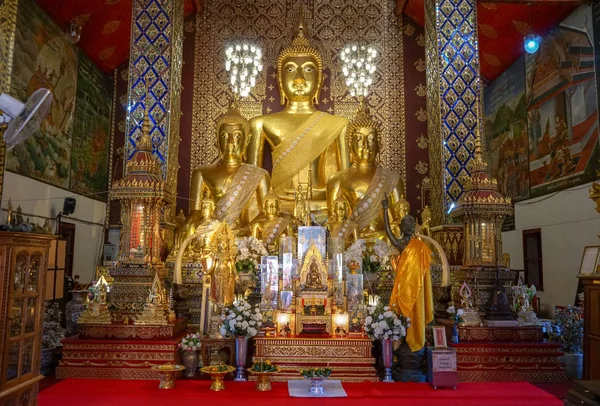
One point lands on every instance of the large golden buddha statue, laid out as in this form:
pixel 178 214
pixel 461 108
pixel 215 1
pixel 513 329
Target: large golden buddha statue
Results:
pixel 307 145
pixel 365 183
pixel 232 183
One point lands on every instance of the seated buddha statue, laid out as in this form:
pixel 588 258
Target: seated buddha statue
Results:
pixel 232 183
pixel 270 227
pixel 306 145
pixel 365 183
pixel 204 218
pixel 338 225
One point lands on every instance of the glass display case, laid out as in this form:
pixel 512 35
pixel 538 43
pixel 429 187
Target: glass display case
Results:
pixel 25 257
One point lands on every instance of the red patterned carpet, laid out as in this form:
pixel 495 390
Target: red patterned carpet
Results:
pixel 129 393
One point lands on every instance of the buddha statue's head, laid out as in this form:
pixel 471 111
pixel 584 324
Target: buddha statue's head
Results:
pixel 233 131
pixel 300 69
pixel 340 209
pixel 363 135
pixel 272 204
pixel 207 206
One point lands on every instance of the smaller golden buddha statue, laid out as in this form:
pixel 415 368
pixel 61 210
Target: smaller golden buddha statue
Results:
pixel 270 227
pixel 338 225
pixel 426 221
pixel 234 185
pixel 365 183
pixel 313 279
pixel 204 220
pixel 220 266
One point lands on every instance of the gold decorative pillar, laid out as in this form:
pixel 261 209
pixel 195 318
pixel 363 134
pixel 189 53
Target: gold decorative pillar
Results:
pixel 8 25
pixel 453 99
pixel 155 63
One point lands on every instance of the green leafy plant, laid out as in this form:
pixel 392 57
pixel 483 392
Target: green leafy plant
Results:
pixel 264 366
pixel 567 328
pixel 316 372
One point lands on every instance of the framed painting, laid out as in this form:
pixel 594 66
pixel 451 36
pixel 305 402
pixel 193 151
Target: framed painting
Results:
pixel 439 337
pixel 589 260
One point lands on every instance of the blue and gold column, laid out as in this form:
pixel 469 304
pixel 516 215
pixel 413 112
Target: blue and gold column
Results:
pixel 453 98
pixel 155 81
pixel 8 25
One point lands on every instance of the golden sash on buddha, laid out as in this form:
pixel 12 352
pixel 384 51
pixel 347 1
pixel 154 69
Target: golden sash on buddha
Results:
pixel 243 186
pixel 412 293
pixel 304 145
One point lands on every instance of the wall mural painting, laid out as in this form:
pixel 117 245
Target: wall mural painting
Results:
pixel 44 58
pixel 506 132
pixel 562 107
pixel 91 131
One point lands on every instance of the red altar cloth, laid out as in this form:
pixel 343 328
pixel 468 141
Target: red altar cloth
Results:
pixel 92 392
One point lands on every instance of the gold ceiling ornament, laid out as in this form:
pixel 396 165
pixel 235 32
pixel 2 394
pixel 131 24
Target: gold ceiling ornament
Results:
pixel 420 64
pixel 409 30
pixel 111 2
pixel 421 90
pixel 491 59
pixel 125 74
pixel 522 27
pixel 488 31
pixel 421 114
pixel 422 142
pixel 421 40
pixel 111 27
pixel 106 53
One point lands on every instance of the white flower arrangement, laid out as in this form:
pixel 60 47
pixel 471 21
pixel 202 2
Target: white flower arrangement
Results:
pixel 373 256
pixel 455 314
pixel 250 250
pixel 241 320
pixel 190 342
pixel 383 323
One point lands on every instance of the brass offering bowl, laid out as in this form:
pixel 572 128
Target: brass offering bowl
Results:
pixel 217 373
pixel 167 373
pixel 263 379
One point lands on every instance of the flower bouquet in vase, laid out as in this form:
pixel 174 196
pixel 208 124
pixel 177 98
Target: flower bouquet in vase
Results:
pixel 217 373
pixel 190 345
pixel 456 317
pixel 385 325
pixel 241 321
pixel 316 376
pixel 263 371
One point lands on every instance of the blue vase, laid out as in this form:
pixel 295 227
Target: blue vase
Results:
pixel 454 339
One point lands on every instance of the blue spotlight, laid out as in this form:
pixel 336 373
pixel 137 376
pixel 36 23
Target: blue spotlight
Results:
pixel 531 43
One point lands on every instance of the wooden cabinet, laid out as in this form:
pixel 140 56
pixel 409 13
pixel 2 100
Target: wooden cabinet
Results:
pixel 23 265
pixel 591 326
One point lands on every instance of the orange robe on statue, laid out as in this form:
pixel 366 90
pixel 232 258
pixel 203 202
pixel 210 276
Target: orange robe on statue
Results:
pixel 412 295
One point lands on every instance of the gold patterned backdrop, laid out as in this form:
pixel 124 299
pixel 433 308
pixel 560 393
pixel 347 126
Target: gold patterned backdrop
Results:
pixel 271 23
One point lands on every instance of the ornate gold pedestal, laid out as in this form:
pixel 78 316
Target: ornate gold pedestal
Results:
pixel 167 373
pixel 217 375
pixel 350 358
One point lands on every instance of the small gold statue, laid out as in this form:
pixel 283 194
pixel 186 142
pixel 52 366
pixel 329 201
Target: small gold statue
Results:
pixel 232 183
pixel 270 227
pixel 300 136
pixel 96 311
pixel 426 221
pixel 154 308
pixel 339 225
pixel 9 214
pixel 222 271
pixel 205 219
pixel 365 183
